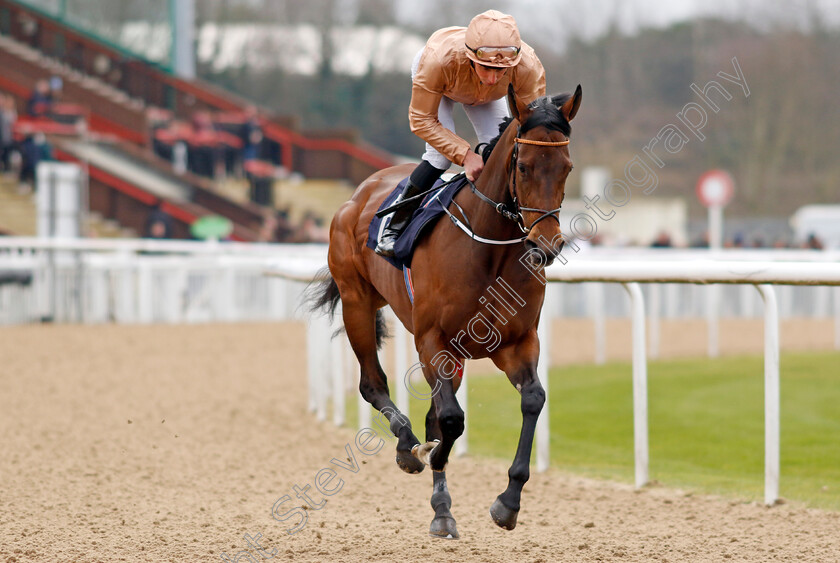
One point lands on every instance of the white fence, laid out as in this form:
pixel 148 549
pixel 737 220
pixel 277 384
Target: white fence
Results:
pixel 144 281
pixel 141 281
pixel 327 374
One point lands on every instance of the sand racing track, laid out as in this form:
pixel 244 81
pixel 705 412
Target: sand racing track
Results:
pixel 173 443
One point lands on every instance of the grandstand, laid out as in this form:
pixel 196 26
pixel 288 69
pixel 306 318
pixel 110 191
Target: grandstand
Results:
pixel 144 136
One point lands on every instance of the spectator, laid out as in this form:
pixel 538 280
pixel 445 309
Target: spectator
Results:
pixel 33 150
pixel 663 240
pixel 814 242
pixel 260 176
pixel 204 157
pixel 40 102
pixel 56 88
pixel 252 135
pixel 311 230
pixel 269 229
pixel 159 223
pixel 8 117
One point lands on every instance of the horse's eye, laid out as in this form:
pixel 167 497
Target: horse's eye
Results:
pixel 521 167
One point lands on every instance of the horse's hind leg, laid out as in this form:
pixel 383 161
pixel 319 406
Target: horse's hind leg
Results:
pixel 359 313
pixel 443 524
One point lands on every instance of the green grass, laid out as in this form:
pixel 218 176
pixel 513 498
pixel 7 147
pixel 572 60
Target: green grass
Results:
pixel 706 421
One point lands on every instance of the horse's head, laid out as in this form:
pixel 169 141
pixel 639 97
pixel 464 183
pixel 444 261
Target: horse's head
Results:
pixel 540 165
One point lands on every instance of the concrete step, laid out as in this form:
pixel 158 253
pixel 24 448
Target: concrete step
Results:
pixel 319 197
pixel 18 212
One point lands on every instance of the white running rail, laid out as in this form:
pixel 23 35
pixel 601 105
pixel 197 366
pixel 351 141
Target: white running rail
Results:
pixel 763 275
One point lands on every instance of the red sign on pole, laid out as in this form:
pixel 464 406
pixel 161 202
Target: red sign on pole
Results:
pixel 715 188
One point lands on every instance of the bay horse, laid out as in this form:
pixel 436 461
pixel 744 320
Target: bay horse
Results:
pixel 474 296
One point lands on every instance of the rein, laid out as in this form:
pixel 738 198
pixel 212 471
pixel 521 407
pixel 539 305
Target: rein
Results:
pixel 501 208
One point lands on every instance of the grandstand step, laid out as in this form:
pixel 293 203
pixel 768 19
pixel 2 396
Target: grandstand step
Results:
pixel 319 197
pixel 18 212
pixel 99 227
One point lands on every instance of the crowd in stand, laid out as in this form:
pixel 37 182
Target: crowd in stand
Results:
pixel 21 150
pixel 216 146
pixel 224 145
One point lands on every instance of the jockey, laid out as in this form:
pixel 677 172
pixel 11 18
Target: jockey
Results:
pixel 472 66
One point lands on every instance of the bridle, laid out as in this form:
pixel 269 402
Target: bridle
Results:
pixel 520 220
pixel 516 213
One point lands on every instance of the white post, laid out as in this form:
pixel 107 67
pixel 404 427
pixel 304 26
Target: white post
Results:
pixel 640 417
pixel 144 292
pixel 543 435
pixel 837 318
pixel 400 364
pixel 771 394
pixel 713 293
pixel 712 320
pixel 364 409
pixel 595 294
pixel 715 227
pixel 462 444
pixel 337 369
pixel 318 334
pixel 653 322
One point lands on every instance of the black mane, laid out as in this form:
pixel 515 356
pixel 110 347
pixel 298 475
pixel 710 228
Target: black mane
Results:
pixel 545 114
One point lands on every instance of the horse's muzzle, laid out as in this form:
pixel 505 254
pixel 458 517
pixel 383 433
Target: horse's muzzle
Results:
pixel 542 255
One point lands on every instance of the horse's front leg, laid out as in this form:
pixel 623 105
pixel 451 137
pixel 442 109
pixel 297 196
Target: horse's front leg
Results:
pixel 519 362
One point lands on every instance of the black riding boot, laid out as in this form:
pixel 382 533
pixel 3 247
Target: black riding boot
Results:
pixel 421 179
pixel 399 220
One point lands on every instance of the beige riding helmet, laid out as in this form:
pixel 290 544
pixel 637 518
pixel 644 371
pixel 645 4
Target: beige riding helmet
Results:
pixel 493 40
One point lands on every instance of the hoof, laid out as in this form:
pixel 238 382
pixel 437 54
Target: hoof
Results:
pixel 409 463
pixel 444 527
pixel 423 452
pixel 503 516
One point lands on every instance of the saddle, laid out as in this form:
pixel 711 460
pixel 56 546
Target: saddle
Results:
pixel 421 223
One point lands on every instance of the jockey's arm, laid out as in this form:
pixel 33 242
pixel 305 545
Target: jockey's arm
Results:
pixel 426 93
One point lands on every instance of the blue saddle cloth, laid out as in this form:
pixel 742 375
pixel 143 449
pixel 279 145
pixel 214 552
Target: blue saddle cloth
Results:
pixel 430 210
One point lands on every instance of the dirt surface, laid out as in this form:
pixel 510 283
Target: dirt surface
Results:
pixel 173 443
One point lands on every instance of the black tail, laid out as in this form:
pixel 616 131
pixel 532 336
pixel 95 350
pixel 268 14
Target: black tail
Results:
pixel 321 295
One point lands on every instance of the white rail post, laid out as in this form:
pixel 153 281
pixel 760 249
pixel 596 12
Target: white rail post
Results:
pixel 462 444
pixel 400 364
pixel 318 334
pixel 837 318
pixel 364 408
pixel 543 436
pixel 640 411
pixel 771 394
pixel 713 320
pixel 337 368
pixel 144 292
pixel 653 320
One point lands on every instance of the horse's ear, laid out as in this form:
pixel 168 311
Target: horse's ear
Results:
pixel 570 108
pixel 518 110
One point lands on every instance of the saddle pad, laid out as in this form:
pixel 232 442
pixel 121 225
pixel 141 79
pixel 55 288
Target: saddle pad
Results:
pixel 425 216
